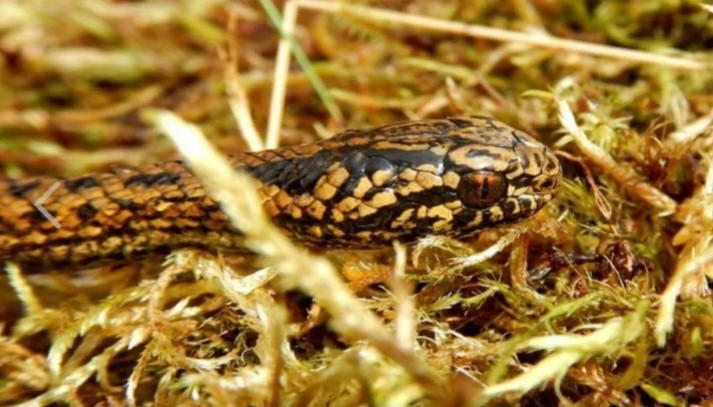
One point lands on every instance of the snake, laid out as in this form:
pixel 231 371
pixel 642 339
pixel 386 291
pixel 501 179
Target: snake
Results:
pixel 360 189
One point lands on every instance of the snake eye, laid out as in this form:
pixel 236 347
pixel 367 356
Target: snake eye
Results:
pixel 480 189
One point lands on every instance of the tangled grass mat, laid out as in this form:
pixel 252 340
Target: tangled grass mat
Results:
pixel 602 299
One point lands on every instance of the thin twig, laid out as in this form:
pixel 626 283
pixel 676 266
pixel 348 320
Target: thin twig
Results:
pixel 237 97
pixel 286 27
pixel 499 34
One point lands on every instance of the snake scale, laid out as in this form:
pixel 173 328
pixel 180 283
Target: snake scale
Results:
pixel 358 189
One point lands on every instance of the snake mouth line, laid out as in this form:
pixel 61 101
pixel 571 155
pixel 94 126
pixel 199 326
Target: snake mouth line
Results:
pixel 529 204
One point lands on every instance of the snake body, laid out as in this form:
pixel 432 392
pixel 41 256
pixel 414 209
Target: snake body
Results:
pixel 358 189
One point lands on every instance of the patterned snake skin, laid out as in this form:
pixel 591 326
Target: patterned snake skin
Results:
pixel 359 189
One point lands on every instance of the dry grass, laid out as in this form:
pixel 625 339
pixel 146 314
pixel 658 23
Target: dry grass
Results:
pixel 603 299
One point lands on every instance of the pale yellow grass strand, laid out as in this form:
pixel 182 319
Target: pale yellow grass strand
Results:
pixel 237 97
pixel 498 34
pixel 279 86
pixel 667 303
pixel 690 131
pixel 239 199
pixel 23 290
pixel 552 367
pixel 405 319
pixel 489 252
pixel 239 106
pixel 566 350
pixel 695 258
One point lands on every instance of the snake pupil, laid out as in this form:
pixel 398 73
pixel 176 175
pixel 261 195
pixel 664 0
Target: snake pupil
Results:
pixel 481 189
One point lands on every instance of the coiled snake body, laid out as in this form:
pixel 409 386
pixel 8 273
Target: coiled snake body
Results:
pixel 359 189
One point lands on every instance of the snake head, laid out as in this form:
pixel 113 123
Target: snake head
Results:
pixel 367 188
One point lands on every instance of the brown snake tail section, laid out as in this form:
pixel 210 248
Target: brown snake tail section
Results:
pixel 359 189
